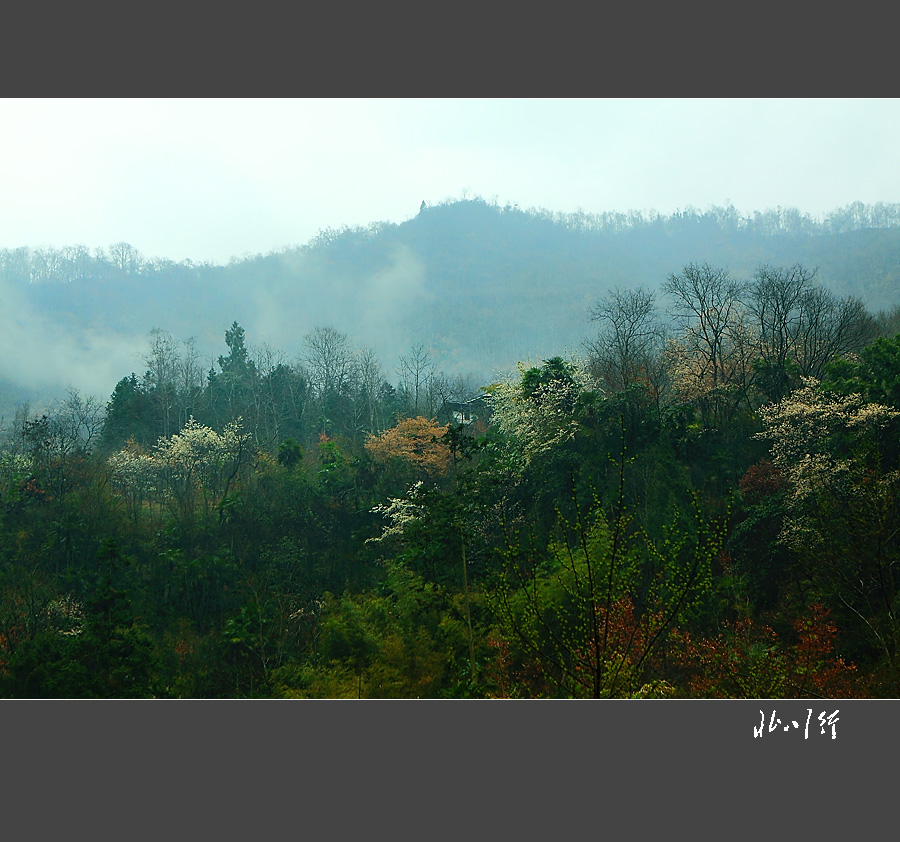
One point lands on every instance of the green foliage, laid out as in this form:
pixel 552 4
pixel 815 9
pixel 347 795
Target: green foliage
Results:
pixel 875 373
pixel 283 557
pixel 760 558
pixel 238 363
pixel 536 381
pixel 107 652
pixel 407 640
pixel 588 612
pixel 130 414
pixel 290 453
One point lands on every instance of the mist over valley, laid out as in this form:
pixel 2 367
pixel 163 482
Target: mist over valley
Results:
pixel 478 286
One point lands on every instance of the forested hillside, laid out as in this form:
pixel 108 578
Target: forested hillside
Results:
pixel 701 502
pixel 478 285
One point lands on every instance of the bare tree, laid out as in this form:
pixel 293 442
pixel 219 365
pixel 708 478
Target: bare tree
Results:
pixel 328 358
pixel 370 377
pixel 160 379
pixel 801 327
pixel 190 381
pixel 710 355
pixel 69 430
pixel 126 258
pixel 416 369
pixel 46 265
pixel 444 389
pixel 330 365
pixel 707 302
pixel 830 329
pixel 264 419
pixel 79 421
pixel 887 322
pixel 76 263
pixel 776 300
pixel 629 339
pixel 162 360
pixel 15 264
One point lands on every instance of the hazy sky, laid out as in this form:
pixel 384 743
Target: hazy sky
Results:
pixel 212 179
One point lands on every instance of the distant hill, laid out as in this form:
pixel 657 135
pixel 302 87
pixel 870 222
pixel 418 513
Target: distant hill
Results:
pixel 479 285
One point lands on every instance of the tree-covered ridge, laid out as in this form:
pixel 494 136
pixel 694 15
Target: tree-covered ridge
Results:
pixel 448 221
pixel 463 278
pixel 700 504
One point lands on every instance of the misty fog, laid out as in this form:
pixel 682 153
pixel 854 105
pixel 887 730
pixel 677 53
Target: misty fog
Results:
pixel 478 286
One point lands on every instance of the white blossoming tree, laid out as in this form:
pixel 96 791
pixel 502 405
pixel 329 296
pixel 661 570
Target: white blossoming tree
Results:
pixel 400 512
pixel 192 469
pixel 828 446
pixel 838 453
pixel 537 411
pixel 133 471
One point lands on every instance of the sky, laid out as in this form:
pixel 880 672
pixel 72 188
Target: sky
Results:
pixel 208 180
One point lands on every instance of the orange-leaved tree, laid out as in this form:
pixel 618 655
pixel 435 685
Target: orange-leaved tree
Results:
pixel 415 446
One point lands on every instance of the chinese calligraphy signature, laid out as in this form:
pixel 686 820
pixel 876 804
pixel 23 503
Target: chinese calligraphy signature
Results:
pixel 824 720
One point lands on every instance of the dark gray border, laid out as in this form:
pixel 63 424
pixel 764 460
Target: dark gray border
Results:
pixel 487 769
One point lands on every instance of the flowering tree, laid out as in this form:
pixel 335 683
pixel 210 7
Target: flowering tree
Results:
pixel 829 447
pixel 838 455
pixel 401 512
pixel 134 472
pixel 196 466
pixel 538 411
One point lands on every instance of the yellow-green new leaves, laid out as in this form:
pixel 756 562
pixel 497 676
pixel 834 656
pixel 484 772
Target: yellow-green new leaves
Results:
pixel 588 615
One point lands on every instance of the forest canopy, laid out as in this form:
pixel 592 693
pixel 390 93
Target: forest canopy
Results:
pixel 699 502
